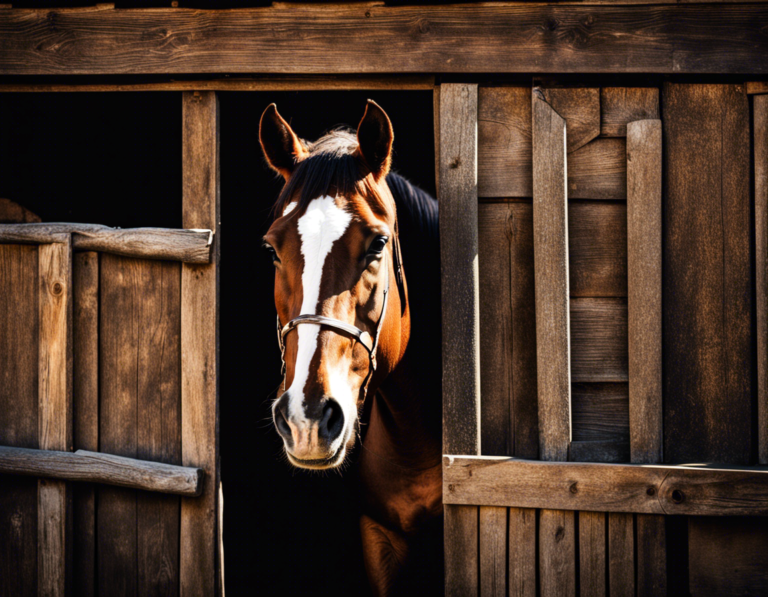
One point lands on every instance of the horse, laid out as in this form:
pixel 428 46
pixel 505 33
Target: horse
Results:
pixel 351 325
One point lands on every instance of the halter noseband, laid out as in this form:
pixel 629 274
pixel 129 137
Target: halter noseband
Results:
pixel 362 337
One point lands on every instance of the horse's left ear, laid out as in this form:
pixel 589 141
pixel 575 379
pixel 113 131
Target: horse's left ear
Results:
pixel 375 136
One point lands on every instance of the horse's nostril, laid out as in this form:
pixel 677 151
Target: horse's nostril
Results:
pixel 281 422
pixel 332 422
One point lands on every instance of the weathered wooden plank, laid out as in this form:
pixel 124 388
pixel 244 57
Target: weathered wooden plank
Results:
pixel 598 170
pixel 95 467
pixel 644 297
pixel 597 249
pixel 461 557
pixel 200 570
pixel 728 559
pixel 599 340
pixel 522 552
pixel 85 375
pixel 513 38
pixel 19 339
pixel 493 551
pixel 693 490
pixel 592 553
pixel 557 553
pixel 622 105
pixel 651 542
pixel 459 256
pixel 760 119
pixel 191 246
pixel 550 245
pixel 599 451
pixel 580 107
pixel 55 413
pixel 707 303
pixel 298 83
pixel 621 554
pixel 600 412
pixel 159 427
pixel 757 87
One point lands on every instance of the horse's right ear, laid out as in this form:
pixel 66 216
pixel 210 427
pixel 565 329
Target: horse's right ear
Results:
pixel 282 148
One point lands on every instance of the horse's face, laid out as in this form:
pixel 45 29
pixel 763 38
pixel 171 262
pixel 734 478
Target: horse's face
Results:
pixel 333 257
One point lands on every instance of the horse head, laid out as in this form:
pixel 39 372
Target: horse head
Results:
pixel 343 321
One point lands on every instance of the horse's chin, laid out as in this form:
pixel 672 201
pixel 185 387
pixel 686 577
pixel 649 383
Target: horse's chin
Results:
pixel 318 464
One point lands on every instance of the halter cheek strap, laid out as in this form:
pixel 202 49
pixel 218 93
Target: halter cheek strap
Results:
pixel 362 337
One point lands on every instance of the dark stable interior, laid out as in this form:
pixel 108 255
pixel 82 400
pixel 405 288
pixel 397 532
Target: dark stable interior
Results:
pixel 115 159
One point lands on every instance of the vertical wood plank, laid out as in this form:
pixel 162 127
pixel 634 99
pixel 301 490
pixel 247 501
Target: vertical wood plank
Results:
pixel 557 553
pixel 200 548
pixel 644 289
pixel 19 341
pixel 550 245
pixel 461 546
pixel 592 554
pixel 86 413
pixel 621 554
pixel 644 227
pixel 460 276
pixel 493 551
pixel 55 413
pixel 707 302
pixel 760 119
pixel 522 552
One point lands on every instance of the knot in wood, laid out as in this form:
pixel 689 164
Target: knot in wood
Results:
pixel 559 534
pixel 450 487
pixel 455 163
pixel 424 26
pixel 573 488
pixel 678 497
pixel 552 24
pixel 57 288
pixel 651 491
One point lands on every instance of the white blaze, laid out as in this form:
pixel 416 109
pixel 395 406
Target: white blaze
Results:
pixel 321 225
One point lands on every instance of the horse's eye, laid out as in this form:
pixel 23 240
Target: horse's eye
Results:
pixel 272 253
pixel 377 246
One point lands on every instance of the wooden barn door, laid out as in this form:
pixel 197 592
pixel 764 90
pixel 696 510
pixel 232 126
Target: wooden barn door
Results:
pixel 591 325
pixel 109 346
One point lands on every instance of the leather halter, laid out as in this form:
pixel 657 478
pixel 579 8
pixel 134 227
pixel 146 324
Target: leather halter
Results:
pixel 362 337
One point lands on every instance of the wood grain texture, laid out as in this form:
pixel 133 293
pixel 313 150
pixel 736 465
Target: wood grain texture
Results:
pixel 191 246
pixel 599 340
pixel 651 543
pixel 550 245
pixel 522 552
pixel 707 302
pixel 693 490
pixel 580 107
pixel 19 340
pixel 200 570
pixel 622 105
pixel 644 290
pixel 557 553
pixel 298 83
pixel 139 368
pixel 757 87
pixel 13 213
pixel 599 451
pixel 85 382
pixel 505 156
pixel 597 249
pixel 760 136
pixel 493 551
pixel 729 559
pixel 600 412
pixel 407 39
pixel 621 554
pixel 54 529
pixel 461 556
pixel 96 467
pixel 460 276
pixel 598 170
pixel 592 564
pixel 508 344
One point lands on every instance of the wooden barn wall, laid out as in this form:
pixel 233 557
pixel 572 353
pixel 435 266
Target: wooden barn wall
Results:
pixel 708 333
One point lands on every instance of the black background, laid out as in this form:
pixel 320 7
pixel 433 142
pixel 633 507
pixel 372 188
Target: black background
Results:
pixel 115 159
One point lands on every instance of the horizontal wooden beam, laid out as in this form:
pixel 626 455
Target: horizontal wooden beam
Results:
pixel 695 490
pixel 311 83
pixel 95 467
pixel 189 246
pixel 368 38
